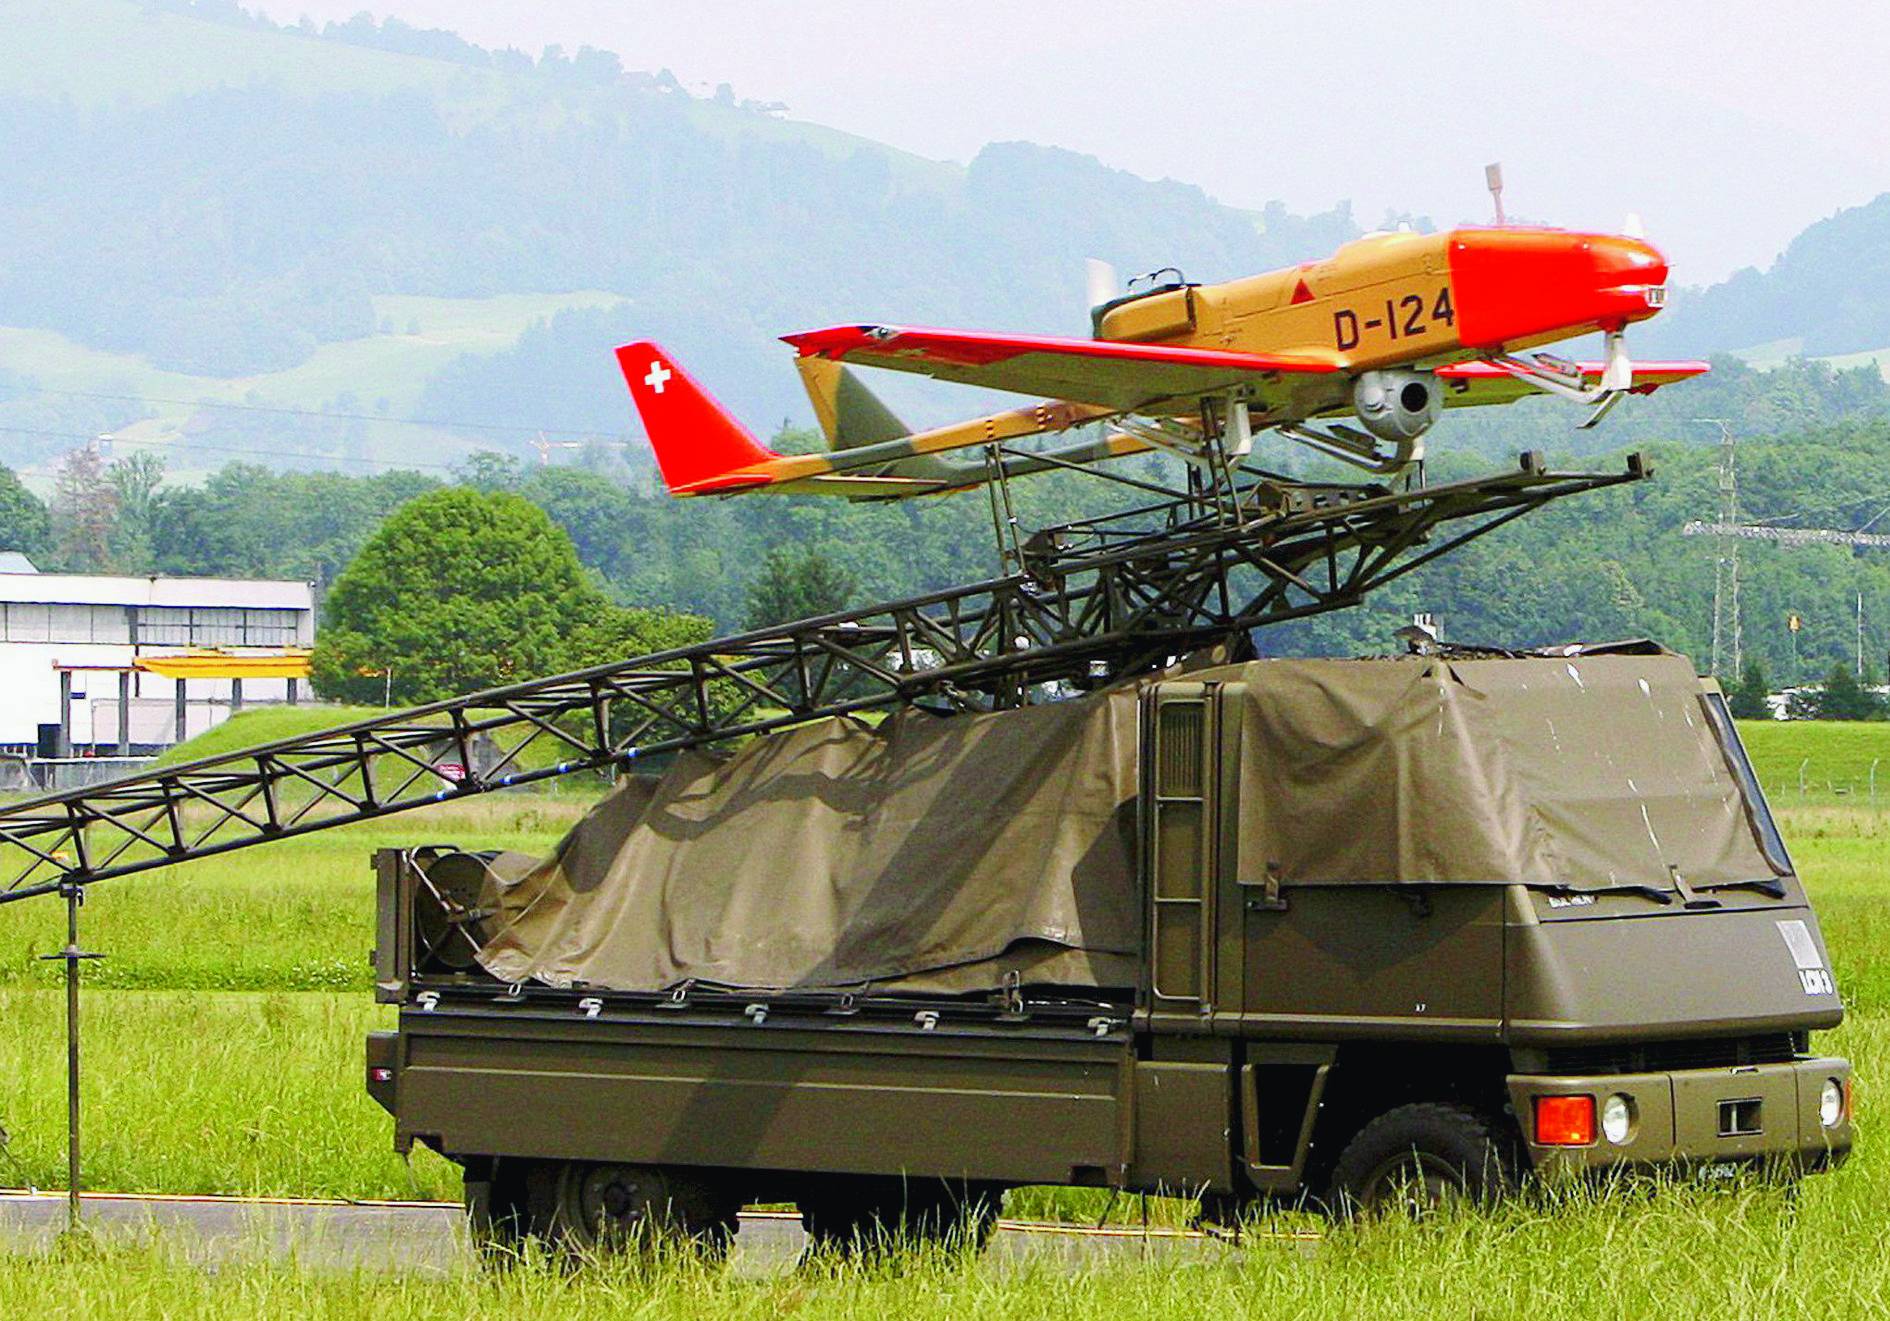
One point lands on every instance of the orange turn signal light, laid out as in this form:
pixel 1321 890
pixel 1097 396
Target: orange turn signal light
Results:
pixel 1565 1121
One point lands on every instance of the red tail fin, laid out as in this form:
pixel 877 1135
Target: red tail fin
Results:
pixel 695 439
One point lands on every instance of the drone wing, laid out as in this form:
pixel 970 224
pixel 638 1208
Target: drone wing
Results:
pixel 1127 378
pixel 1468 384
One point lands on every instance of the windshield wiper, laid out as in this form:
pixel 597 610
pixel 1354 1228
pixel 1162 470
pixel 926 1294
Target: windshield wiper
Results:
pixel 1653 892
pixel 1766 885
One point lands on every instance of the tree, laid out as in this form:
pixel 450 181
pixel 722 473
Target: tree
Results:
pixel 462 590
pixel 797 586
pixel 489 470
pixel 1841 698
pixel 1746 699
pixel 593 510
pixel 134 482
pixel 24 523
pixel 84 511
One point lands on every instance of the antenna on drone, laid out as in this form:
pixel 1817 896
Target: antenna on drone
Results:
pixel 1493 176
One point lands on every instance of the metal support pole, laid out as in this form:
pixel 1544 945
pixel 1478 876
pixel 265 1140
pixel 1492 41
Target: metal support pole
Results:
pixel 75 897
pixel 292 691
pixel 124 713
pixel 236 696
pixel 65 713
pixel 183 714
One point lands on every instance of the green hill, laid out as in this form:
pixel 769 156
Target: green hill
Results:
pixel 264 724
pixel 372 220
pixel 1827 296
pixel 199 204
pixel 110 52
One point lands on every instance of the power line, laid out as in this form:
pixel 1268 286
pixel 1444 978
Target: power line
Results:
pixel 346 417
pixel 1790 536
pixel 225 449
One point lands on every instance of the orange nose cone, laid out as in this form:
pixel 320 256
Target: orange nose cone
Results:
pixel 1622 262
pixel 1536 285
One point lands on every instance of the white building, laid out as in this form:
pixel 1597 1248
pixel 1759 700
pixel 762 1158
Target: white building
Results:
pixel 72 641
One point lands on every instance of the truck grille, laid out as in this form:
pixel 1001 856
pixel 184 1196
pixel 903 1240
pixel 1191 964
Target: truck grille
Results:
pixel 1660 1056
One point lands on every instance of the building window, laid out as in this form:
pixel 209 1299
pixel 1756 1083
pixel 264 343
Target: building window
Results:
pixel 164 624
pixel 39 622
pixel 217 626
pixel 28 623
pixel 176 626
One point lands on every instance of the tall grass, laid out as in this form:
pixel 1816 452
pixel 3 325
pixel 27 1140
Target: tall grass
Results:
pixel 1677 1253
pixel 206 1092
pixel 294 915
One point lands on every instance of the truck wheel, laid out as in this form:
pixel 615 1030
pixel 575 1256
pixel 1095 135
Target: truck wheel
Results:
pixel 509 1200
pixel 866 1216
pixel 606 1207
pixel 1419 1157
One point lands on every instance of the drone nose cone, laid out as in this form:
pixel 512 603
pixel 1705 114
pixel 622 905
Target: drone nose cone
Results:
pixel 1630 279
pixel 1622 262
pixel 1520 286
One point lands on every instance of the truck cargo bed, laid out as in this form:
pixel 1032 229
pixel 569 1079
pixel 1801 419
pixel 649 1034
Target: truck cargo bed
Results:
pixel 1043 1101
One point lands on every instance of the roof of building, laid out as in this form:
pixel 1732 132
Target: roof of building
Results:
pixel 91 589
pixel 13 561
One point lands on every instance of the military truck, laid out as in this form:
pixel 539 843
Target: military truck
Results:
pixel 1344 932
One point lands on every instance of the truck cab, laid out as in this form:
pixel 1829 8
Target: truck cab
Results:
pixel 1344 932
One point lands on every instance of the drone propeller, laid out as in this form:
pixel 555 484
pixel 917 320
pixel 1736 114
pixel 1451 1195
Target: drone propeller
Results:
pixel 1100 283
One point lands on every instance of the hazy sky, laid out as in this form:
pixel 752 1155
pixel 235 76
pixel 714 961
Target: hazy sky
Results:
pixel 1728 126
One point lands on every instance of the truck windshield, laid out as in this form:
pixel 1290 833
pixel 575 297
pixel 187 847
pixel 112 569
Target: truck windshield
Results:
pixel 1764 828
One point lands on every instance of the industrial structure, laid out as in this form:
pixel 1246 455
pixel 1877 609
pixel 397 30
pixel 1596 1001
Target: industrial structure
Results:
pixel 94 666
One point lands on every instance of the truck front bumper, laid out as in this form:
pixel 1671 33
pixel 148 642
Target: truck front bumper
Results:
pixel 1711 1123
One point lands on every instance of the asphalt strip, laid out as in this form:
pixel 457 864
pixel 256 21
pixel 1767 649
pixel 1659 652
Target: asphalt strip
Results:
pixel 431 1236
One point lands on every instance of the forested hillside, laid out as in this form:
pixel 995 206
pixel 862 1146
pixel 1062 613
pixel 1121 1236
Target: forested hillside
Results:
pixel 376 246
pixel 211 237
pixel 251 253
pixel 1827 294
pixel 1603 566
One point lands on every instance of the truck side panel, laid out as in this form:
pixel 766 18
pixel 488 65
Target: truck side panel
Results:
pixel 1020 1106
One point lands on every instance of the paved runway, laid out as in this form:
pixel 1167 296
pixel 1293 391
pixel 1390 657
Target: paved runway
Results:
pixel 431 1236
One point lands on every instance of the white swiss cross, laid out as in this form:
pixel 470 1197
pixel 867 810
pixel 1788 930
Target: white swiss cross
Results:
pixel 658 377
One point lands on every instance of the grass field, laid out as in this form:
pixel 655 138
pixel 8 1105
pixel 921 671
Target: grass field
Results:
pixel 225 1055
pixel 1704 1258
pixel 265 724
pixel 1820 761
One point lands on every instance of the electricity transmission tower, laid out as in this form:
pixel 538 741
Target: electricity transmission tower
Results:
pixel 1726 562
pixel 1731 532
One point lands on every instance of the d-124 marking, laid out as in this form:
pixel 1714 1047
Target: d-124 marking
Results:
pixel 1410 315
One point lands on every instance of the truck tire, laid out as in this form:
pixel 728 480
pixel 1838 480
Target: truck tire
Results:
pixel 1419 1157
pixel 859 1217
pixel 509 1200
pixel 603 1207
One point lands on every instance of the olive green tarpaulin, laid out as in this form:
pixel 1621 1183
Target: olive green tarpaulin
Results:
pixel 935 853
pixel 1588 771
pixel 954 854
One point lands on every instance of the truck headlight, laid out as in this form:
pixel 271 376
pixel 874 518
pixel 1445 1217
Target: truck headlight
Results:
pixel 1617 1119
pixel 1831 1103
